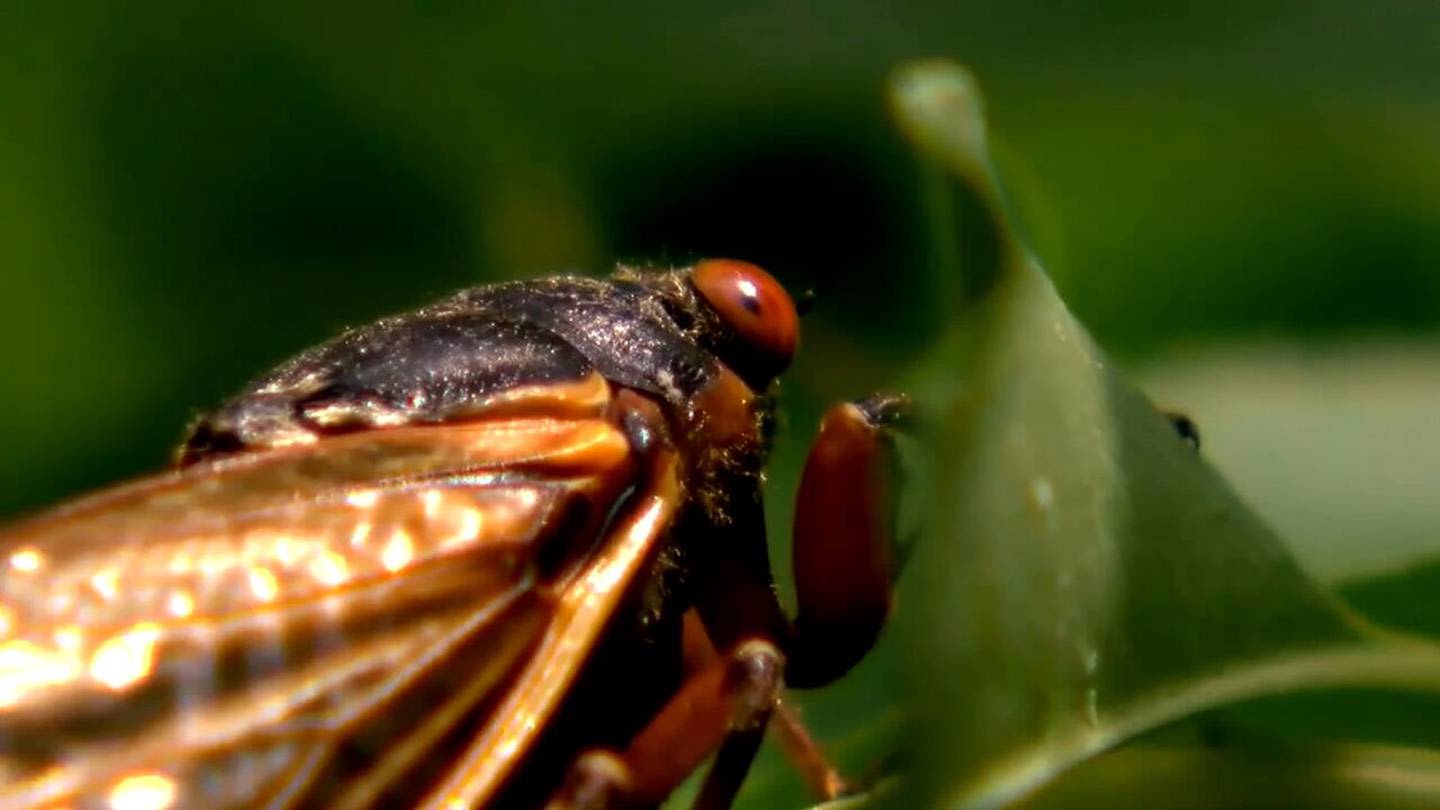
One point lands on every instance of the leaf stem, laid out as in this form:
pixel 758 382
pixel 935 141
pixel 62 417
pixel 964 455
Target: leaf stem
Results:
pixel 1390 661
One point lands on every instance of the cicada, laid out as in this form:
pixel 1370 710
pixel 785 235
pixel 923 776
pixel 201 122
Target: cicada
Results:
pixel 505 550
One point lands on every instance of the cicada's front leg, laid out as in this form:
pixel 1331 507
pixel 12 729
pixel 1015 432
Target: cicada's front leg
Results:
pixel 844 563
pixel 844 540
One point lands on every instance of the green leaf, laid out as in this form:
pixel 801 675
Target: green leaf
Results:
pixel 1086 576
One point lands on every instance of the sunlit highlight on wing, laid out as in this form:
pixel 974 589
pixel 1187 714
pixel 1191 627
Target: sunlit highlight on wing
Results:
pixel 124 660
pixel 144 791
pixel 210 637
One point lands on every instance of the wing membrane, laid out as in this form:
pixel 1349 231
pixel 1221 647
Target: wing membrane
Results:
pixel 228 633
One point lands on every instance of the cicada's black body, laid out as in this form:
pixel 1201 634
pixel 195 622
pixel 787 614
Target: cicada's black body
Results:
pixel 453 359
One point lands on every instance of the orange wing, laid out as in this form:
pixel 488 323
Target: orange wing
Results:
pixel 303 624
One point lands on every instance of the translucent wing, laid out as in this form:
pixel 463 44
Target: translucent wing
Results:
pixel 305 624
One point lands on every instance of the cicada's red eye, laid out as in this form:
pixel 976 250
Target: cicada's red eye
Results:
pixel 753 304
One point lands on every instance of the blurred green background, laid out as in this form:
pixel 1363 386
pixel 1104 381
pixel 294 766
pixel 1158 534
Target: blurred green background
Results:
pixel 189 197
pixel 1240 200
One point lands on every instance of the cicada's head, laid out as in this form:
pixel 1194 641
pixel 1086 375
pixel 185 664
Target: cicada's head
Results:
pixel 737 312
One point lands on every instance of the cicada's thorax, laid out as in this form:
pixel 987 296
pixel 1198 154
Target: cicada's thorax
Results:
pixel 563 346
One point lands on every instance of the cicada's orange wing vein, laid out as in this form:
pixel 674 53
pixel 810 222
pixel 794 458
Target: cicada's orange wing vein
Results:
pixel 228 634
pixel 580 615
